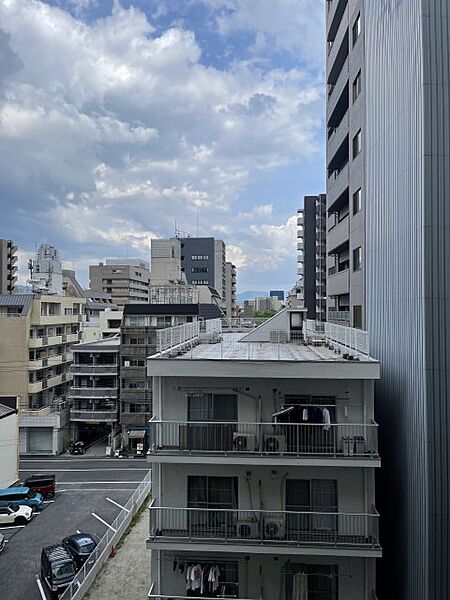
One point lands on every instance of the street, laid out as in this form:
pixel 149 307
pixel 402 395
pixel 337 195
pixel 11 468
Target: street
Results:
pixel 84 486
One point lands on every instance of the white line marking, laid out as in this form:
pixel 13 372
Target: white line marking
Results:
pixel 41 589
pixel 78 531
pixel 48 502
pixel 13 527
pixel 104 522
pixel 107 489
pixel 117 504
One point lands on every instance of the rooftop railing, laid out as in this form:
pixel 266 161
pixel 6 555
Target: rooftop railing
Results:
pixel 262 527
pixel 346 340
pixel 265 439
pixel 171 341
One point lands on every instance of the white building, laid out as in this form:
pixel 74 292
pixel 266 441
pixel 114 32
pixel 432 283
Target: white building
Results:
pixel 9 440
pixel 264 458
pixel 47 270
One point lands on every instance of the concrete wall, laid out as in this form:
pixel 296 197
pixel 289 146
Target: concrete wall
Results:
pixel 14 336
pixel 9 450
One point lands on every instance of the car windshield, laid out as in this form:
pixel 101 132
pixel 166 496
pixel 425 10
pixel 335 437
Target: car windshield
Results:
pixel 63 570
pixel 14 507
pixel 86 545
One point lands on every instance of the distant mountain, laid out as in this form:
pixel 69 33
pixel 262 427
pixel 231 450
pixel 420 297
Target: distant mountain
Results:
pixel 250 295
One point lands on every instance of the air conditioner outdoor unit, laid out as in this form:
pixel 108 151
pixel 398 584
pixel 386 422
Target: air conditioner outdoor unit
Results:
pixel 247 530
pixel 275 443
pixel 244 442
pixel 274 528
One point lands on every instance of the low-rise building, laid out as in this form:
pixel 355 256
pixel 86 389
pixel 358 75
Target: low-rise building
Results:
pixel 37 332
pixel 264 457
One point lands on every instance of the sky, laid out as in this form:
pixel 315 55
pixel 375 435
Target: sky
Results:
pixel 126 120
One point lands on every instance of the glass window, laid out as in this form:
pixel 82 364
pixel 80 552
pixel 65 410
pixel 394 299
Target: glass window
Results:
pixel 357 316
pixel 356 29
pixel 357 144
pixel 357 258
pixel 357 201
pixel 212 407
pixel 356 87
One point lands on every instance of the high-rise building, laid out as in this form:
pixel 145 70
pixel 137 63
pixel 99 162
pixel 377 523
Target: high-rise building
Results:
pixel 47 270
pixel 203 260
pixel 264 457
pixel 8 266
pixel 37 332
pixel 126 279
pixel 279 294
pixel 388 126
pixel 311 257
pixel 230 293
pixel 345 163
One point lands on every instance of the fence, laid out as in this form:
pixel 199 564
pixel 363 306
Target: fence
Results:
pixel 271 439
pixel 179 337
pixel 85 577
pixel 347 339
pixel 324 527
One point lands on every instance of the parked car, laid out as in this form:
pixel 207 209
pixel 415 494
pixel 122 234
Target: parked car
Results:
pixel 57 569
pixel 44 484
pixel 80 546
pixel 2 542
pixel 76 448
pixel 22 495
pixel 14 514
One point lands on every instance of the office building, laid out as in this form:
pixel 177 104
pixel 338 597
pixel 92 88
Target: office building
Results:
pixel 8 266
pixel 312 258
pixel 165 263
pixel 37 332
pixel 263 457
pixel 279 294
pixel 345 163
pixel 127 280
pixel 230 291
pixel 94 395
pixel 203 261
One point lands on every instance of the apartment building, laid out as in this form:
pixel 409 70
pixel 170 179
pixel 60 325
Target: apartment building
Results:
pixel 264 457
pixel 94 395
pixel 345 163
pixel 8 266
pixel 37 332
pixel 203 260
pixel 312 258
pixel 230 293
pixel 166 268
pixel 127 280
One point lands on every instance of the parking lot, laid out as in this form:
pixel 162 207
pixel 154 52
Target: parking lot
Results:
pixel 84 486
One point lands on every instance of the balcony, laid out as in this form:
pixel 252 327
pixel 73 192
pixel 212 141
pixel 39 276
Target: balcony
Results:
pixel 339 316
pixel 339 233
pixel 93 392
pixel 265 443
pixel 93 415
pixel 135 418
pixel 338 283
pixel 153 594
pixel 94 369
pixel 261 531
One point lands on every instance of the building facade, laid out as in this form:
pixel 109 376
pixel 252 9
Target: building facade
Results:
pixel 8 266
pixel 203 261
pixel 279 294
pixel 312 257
pixel 230 293
pixel 345 115
pixel 37 332
pixel 255 494
pixel 9 440
pixel 126 280
pixel 94 395
pixel 166 268
pixel 46 270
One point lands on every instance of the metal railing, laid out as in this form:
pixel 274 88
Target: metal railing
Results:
pixel 339 315
pixel 296 528
pixel 93 392
pixel 84 578
pixel 265 439
pixel 94 369
pixel 178 338
pixel 152 594
pixel 347 339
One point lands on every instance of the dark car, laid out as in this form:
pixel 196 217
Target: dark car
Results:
pixel 76 448
pixel 57 569
pixel 44 484
pixel 80 546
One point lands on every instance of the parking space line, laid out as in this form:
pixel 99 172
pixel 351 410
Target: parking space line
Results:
pixel 13 527
pixel 117 504
pixel 104 522
pixel 78 531
pixel 41 589
pixel 48 502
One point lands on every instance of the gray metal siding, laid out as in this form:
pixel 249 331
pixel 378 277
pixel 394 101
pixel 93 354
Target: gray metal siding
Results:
pixel 309 254
pixel 397 287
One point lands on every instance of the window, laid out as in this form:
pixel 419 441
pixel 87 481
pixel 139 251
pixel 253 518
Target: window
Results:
pixel 357 87
pixel 357 201
pixel 199 269
pixel 200 257
pixel 357 258
pixel 212 407
pixel 357 316
pixel 319 581
pixel 357 144
pixel 356 29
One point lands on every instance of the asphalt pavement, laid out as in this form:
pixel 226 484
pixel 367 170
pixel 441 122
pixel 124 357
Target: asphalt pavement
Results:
pixel 84 486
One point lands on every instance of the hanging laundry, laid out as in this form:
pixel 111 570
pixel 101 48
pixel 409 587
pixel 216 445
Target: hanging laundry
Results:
pixel 326 419
pixel 213 578
pixel 305 414
pixel 300 586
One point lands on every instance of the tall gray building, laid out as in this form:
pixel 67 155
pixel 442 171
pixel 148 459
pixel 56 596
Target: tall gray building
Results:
pixel 8 266
pixel 126 279
pixel 311 257
pixel 389 71
pixel 203 260
pixel 345 163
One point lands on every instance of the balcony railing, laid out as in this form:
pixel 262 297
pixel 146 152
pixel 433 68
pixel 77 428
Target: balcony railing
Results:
pixel 265 439
pixel 153 594
pixel 93 392
pixel 94 369
pixel 263 527
pixel 339 315
pixel 93 415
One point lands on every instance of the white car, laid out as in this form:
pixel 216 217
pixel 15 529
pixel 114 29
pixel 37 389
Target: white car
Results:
pixel 15 514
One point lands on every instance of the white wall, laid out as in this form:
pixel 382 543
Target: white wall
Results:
pixel 9 450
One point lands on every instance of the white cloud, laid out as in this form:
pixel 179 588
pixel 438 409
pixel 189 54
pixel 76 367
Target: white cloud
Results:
pixel 109 131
